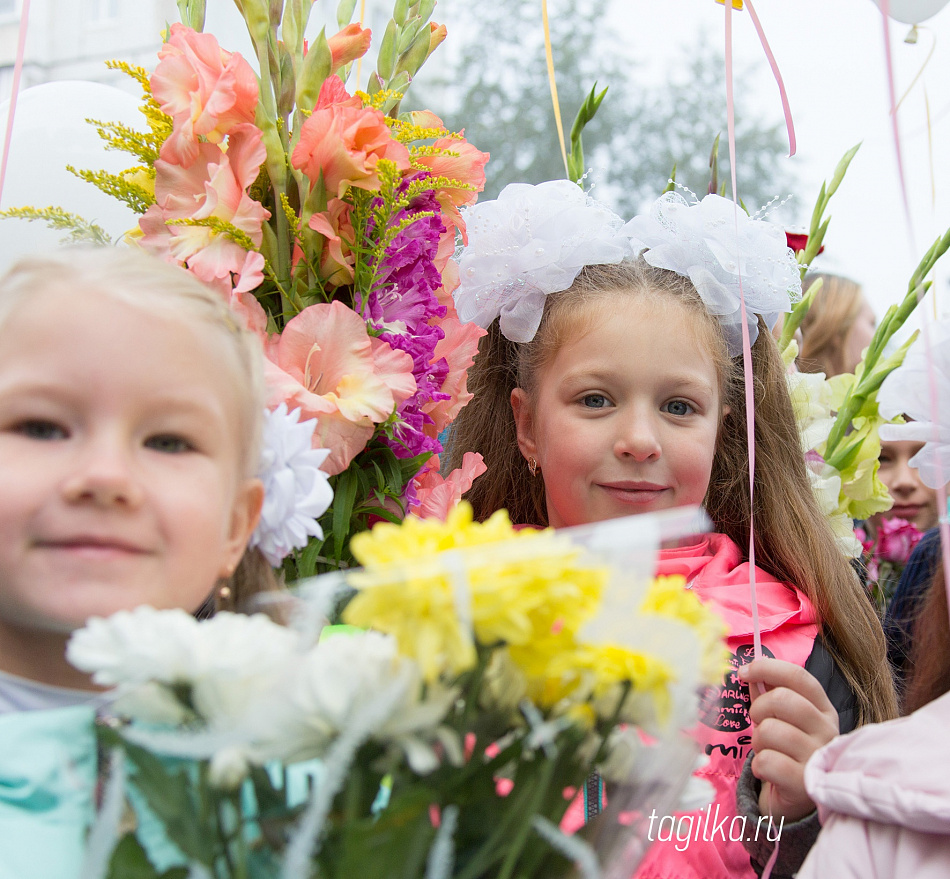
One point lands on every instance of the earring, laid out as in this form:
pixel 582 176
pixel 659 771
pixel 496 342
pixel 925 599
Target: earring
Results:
pixel 532 467
pixel 224 593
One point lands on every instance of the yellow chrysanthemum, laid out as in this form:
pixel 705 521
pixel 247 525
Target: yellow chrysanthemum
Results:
pixel 530 591
pixel 669 597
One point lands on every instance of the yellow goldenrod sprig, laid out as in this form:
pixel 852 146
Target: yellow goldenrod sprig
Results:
pixel 136 197
pixel 57 218
pixel 216 224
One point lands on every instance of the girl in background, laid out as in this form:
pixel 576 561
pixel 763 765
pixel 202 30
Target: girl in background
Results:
pixel 611 383
pixel 837 328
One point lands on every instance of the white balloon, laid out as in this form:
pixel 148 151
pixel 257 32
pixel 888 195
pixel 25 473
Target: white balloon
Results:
pixel 50 132
pixel 913 11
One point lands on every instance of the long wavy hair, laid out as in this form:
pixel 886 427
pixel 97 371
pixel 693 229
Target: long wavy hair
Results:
pixel 793 541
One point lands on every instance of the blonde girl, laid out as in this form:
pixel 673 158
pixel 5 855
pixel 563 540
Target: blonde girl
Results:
pixel 131 405
pixel 623 392
pixel 838 327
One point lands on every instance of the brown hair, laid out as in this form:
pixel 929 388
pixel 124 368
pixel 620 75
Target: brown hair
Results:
pixel 793 541
pixel 929 676
pixel 826 325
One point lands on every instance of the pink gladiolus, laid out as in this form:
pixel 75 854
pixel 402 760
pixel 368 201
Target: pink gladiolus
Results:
pixel 349 44
pixel 896 540
pixel 345 143
pixel 326 364
pixel 467 165
pixel 213 186
pixel 336 257
pixel 458 347
pixel 437 496
pixel 206 90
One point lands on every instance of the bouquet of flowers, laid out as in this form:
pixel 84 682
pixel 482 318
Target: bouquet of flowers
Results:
pixel 885 553
pixel 838 417
pixel 328 220
pixel 484 673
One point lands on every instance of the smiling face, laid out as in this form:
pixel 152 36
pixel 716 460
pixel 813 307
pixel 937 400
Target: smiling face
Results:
pixel 624 418
pixel 913 501
pixel 120 463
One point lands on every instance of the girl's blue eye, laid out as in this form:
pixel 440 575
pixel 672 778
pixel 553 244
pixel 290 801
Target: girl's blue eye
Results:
pixel 678 407
pixel 595 401
pixel 169 443
pixel 38 429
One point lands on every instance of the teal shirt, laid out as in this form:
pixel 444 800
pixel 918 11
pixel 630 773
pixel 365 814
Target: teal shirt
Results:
pixel 48 767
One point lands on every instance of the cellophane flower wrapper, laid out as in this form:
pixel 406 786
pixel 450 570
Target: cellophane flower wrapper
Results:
pixel 481 673
pixel 328 219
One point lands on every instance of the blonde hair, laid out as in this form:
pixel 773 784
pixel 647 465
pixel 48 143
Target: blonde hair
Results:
pixel 793 541
pixel 156 287
pixel 833 312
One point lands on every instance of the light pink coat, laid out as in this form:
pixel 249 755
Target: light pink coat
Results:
pixel 883 795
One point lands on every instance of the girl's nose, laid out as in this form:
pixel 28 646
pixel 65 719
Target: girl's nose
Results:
pixel 904 479
pixel 104 476
pixel 638 439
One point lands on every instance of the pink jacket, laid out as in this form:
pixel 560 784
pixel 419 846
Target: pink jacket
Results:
pixel 883 795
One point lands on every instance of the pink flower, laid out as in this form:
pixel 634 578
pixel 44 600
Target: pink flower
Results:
pixel 344 143
pixel 336 256
pixel 325 363
pixel 896 540
pixel 205 90
pixel 466 164
pixel 213 186
pixel 459 347
pixel 437 496
pixel 349 44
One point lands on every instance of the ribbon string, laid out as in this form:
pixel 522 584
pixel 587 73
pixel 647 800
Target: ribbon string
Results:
pixel 549 54
pixel 15 91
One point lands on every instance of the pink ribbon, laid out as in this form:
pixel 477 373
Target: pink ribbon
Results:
pixel 789 125
pixel 746 342
pixel 17 70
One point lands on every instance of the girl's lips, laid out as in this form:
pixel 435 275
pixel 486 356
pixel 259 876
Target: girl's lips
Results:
pixel 902 511
pixel 635 494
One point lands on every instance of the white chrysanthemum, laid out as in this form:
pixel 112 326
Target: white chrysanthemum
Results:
pixel 529 242
pixel 339 677
pixel 719 247
pixel 296 491
pixel 907 391
pixel 149 655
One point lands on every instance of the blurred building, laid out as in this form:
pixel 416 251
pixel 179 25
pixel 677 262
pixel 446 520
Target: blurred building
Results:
pixel 71 39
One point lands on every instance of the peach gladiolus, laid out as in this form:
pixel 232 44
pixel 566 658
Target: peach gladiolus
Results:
pixel 466 164
pixel 336 257
pixel 213 186
pixel 458 347
pixel 437 496
pixel 345 143
pixel 325 363
pixel 206 91
pixel 349 44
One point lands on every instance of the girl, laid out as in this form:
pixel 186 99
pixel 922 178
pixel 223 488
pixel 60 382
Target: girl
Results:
pixel 837 328
pixel 130 419
pixel 623 392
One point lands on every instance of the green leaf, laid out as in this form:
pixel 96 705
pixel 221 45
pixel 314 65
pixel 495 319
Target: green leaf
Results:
pixel 344 496
pixel 170 794
pixel 315 69
pixel 130 861
pixel 344 12
pixel 386 59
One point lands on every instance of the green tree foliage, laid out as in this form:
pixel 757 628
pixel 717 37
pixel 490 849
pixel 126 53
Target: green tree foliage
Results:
pixel 497 87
